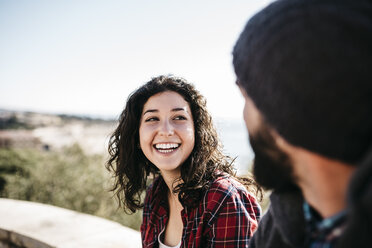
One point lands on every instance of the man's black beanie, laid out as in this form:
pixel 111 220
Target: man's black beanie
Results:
pixel 307 65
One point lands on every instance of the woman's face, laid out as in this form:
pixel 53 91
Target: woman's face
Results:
pixel 166 131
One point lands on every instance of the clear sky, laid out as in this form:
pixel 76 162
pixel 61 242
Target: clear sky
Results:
pixel 86 56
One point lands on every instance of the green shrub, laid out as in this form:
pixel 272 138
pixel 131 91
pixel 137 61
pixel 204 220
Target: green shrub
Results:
pixel 67 178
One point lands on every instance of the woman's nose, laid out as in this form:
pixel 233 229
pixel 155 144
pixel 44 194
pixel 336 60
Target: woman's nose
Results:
pixel 166 129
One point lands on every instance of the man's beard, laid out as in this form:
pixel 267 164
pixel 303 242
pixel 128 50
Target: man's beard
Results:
pixel 272 167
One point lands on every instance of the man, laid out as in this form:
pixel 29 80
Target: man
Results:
pixel 305 71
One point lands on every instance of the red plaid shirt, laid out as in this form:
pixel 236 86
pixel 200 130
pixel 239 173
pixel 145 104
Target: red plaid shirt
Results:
pixel 226 217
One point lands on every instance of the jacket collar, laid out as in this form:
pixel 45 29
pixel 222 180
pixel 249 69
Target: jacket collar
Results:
pixel 159 202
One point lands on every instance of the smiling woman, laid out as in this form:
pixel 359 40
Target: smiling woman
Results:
pixel 194 199
pixel 167 132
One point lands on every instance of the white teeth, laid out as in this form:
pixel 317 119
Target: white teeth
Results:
pixel 167 146
pixel 165 151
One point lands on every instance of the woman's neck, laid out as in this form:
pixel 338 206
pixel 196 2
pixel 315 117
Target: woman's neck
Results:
pixel 171 179
pixel 174 227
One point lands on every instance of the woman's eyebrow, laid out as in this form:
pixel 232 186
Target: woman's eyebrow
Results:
pixel 173 110
pixel 179 109
pixel 150 111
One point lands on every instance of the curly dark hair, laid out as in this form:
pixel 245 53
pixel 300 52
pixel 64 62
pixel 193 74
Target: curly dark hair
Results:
pixel 132 169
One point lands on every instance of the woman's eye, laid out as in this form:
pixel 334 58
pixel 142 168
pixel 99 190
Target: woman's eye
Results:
pixel 151 119
pixel 180 117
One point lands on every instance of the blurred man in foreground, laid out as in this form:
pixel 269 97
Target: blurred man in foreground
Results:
pixel 305 71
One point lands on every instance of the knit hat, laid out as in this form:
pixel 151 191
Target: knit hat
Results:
pixel 307 65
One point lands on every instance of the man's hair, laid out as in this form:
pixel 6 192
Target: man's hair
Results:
pixel 307 65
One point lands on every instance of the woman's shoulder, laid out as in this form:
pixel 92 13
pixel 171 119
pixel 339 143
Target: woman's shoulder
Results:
pixel 227 185
pixel 226 189
pixel 227 195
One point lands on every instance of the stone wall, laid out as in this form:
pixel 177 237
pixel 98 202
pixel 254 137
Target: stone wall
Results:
pixel 11 239
pixel 29 225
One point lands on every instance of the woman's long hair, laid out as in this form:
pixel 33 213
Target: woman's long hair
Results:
pixel 131 168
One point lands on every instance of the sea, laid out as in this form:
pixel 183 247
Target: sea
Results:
pixel 234 138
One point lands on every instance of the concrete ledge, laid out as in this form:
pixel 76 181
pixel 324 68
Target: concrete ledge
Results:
pixel 9 239
pixel 30 224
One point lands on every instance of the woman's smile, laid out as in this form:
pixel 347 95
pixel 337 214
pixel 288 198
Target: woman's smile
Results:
pixel 166 147
pixel 167 135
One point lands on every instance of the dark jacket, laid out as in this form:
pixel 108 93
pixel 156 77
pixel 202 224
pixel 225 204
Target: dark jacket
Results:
pixel 284 226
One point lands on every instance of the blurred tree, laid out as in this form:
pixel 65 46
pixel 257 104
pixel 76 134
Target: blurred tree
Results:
pixel 10 164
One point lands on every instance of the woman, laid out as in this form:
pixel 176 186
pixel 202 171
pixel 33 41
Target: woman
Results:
pixel 166 134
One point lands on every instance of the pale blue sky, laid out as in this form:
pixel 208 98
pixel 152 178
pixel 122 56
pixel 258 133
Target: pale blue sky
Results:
pixel 86 56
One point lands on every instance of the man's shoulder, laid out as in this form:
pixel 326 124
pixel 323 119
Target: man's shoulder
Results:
pixel 283 225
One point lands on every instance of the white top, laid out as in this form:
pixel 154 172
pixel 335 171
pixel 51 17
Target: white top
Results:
pixel 161 245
